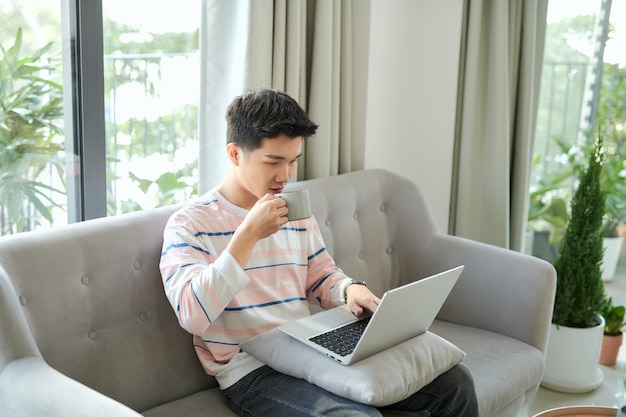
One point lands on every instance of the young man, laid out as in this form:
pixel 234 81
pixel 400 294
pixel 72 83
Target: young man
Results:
pixel 232 269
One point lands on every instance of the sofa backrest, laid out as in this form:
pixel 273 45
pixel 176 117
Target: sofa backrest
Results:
pixel 92 296
pixel 374 223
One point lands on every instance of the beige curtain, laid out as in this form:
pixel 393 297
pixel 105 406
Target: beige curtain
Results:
pixel 299 46
pixel 499 89
pixel 337 29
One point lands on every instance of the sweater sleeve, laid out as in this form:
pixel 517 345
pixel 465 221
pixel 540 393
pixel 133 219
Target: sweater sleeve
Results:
pixel 198 283
pixel 326 282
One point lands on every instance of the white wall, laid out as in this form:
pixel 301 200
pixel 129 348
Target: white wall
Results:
pixel 411 94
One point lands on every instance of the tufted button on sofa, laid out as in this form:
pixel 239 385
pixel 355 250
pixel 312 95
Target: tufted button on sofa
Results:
pixel 86 330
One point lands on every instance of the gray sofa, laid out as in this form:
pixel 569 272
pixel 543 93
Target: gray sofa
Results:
pixel 86 330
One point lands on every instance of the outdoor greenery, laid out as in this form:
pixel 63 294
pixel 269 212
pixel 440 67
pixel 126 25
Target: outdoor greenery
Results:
pixel 134 58
pixel 548 210
pixel 561 147
pixel 32 144
pixel 562 85
pixel 31 106
pixel 611 121
pixel 580 294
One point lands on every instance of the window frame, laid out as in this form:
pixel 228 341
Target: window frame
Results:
pixel 85 141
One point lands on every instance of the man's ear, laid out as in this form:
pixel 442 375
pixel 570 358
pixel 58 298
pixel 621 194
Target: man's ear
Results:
pixel 234 152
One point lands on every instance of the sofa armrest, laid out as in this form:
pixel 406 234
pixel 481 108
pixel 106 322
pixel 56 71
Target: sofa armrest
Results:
pixel 29 387
pixel 500 290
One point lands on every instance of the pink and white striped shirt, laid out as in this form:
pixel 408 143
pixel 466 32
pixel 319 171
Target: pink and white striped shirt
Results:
pixel 220 303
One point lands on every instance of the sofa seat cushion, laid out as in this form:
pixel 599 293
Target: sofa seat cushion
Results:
pixel 201 404
pixel 502 367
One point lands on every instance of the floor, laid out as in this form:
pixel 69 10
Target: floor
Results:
pixel 612 392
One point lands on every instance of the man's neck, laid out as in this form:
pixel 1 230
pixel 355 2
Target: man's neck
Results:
pixel 232 190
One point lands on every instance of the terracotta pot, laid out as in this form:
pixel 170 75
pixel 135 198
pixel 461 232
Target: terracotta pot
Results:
pixel 610 348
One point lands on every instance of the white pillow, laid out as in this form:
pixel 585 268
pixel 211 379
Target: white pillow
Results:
pixel 382 379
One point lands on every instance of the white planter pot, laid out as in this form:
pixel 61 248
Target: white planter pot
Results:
pixel 572 359
pixel 612 252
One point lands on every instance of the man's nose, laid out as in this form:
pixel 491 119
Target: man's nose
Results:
pixel 284 175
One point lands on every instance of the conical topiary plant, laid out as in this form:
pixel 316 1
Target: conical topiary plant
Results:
pixel 579 289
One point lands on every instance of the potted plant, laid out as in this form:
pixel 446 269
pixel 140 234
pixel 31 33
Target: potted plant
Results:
pixel 612 340
pixel 577 327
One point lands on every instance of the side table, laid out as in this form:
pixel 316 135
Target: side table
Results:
pixel 579 411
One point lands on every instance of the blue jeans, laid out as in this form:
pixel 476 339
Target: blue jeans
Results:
pixel 265 392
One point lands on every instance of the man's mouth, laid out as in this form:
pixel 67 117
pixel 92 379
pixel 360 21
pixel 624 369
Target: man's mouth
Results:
pixel 276 190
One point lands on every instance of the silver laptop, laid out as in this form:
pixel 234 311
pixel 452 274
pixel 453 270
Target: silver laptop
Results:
pixel 403 313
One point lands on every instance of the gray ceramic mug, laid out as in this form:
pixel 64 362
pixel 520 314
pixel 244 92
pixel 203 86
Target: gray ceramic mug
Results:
pixel 298 204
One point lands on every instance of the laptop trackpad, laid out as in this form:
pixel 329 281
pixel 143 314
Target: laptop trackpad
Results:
pixel 333 318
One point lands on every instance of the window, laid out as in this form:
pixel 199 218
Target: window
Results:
pixel 583 93
pixel 151 84
pixel 100 122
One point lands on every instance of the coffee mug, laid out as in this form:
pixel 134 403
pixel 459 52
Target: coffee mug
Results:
pixel 298 204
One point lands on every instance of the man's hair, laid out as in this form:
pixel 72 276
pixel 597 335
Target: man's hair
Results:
pixel 265 113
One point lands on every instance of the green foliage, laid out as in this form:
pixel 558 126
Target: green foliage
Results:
pixel 548 207
pixel 31 105
pixel 32 179
pixel 580 291
pixel 135 57
pixel 125 40
pixel 549 198
pixel 169 188
pixel 611 115
pixel 169 185
pixel 614 183
pixel 162 136
pixel 614 318
pixel 562 90
pixel 563 80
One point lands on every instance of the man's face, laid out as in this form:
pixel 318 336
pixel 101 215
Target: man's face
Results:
pixel 267 169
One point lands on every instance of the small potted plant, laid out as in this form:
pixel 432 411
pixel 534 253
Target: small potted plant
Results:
pixel 614 322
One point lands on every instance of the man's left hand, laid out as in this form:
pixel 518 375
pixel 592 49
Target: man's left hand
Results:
pixel 359 297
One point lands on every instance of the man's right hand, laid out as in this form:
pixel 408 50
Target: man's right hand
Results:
pixel 265 218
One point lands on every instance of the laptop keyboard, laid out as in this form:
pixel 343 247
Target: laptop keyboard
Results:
pixel 344 339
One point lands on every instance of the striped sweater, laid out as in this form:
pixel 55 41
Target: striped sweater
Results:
pixel 220 303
